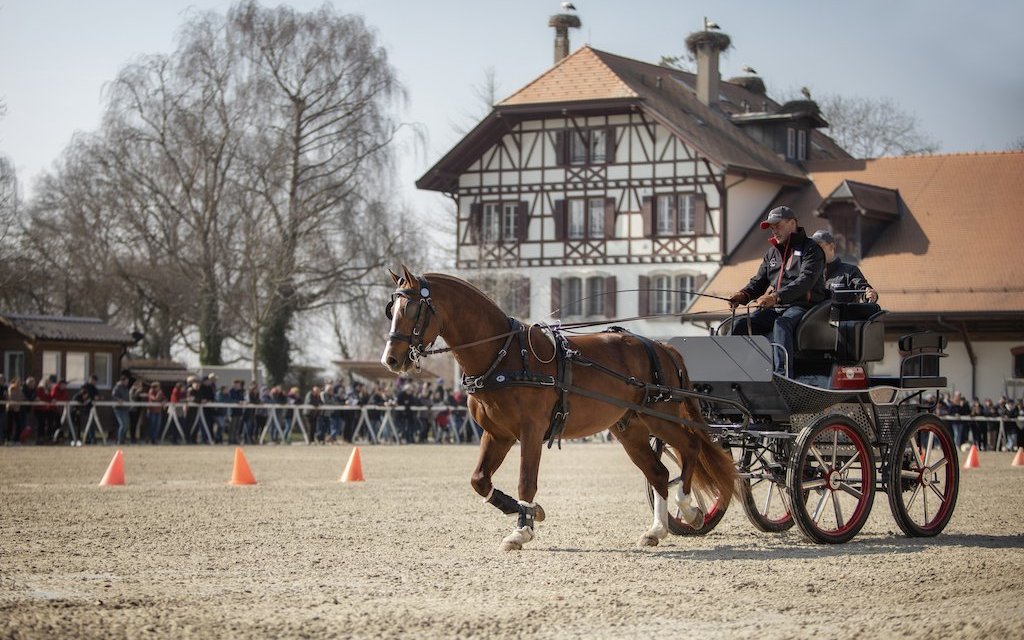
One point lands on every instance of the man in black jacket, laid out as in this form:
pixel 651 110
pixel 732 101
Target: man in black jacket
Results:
pixel 839 275
pixel 787 284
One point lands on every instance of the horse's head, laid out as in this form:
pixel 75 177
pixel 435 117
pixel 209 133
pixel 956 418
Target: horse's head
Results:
pixel 414 322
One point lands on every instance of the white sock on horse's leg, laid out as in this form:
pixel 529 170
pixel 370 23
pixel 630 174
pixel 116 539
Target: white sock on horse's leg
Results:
pixel 659 528
pixel 690 513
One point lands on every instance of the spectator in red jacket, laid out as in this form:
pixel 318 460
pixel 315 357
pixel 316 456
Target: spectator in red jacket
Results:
pixel 59 398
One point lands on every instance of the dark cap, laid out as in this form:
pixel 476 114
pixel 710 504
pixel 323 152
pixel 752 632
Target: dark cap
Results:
pixel 822 235
pixel 776 215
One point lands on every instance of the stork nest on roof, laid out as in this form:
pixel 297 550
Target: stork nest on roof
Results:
pixel 753 84
pixel 800 106
pixel 564 20
pixel 713 39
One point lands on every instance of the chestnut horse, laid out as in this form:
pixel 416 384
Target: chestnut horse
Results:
pixel 434 305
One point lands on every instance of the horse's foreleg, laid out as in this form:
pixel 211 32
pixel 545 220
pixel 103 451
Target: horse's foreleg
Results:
pixel 634 441
pixel 687 449
pixel 531 446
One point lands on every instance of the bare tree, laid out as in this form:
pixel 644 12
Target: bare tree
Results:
pixel 316 169
pixel 1016 145
pixel 9 203
pixel 874 127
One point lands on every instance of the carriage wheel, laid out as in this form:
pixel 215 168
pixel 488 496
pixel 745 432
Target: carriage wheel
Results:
pixel 924 477
pixel 764 492
pixel 710 503
pixel 831 480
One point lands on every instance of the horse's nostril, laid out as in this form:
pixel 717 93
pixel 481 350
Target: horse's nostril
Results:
pixel 392 361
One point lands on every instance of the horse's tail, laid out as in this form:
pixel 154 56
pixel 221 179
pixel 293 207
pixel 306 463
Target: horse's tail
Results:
pixel 715 471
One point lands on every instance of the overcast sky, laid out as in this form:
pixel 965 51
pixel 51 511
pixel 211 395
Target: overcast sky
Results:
pixel 955 65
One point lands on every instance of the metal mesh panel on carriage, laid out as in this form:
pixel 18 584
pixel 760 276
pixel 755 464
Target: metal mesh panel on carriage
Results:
pixel 803 398
pixel 853 411
pixel 892 418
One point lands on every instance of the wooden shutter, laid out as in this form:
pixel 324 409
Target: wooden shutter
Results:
pixel 610 295
pixel 609 148
pixel 476 220
pixel 700 214
pixel 556 298
pixel 609 217
pixel 522 309
pixel 523 221
pixel 561 148
pixel 644 308
pixel 645 215
pixel 559 215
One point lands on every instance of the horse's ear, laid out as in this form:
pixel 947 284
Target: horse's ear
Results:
pixel 410 279
pixel 394 276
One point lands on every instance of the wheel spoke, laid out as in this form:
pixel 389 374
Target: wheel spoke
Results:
pixel 813 484
pixel 849 462
pixel 768 498
pixel 913 496
pixel 918 454
pixel 839 511
pixel 909 475
pixel 835 446
pixel 942 498
pixel 938 465
pixel 928 451
pixel 817 456
pixel 924 504
pixel 820 507
pixel 850 490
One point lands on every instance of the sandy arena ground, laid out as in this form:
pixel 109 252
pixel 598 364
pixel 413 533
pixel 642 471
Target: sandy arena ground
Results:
pixel 413 553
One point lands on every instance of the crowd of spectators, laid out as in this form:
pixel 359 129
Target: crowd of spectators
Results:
pixel 978 422
pixel 197 410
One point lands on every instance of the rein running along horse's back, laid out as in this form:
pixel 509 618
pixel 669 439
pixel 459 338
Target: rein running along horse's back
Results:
pixel 533 384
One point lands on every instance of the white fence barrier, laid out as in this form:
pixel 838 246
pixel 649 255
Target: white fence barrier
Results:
pixel 375 423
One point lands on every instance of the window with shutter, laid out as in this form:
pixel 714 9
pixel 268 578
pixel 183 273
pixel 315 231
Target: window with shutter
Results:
pixel 610 294
pixel 556 298
pixel 644 296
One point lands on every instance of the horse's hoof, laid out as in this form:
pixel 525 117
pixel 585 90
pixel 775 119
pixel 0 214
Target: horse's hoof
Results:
pixel 507 545
pixel 647 541
pixel 538 513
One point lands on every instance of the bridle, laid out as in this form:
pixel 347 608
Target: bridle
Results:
pixel 421 321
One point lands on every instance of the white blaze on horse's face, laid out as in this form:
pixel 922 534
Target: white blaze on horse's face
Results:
pixel 390 362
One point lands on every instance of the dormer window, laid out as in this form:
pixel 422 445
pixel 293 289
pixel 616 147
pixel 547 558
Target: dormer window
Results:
pixel 585 146
pixel 796 144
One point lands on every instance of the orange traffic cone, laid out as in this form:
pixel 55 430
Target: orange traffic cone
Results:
pixel 972 458
pixel 115 471
pixel 354 468
pixel 1018 460
pixel 241 473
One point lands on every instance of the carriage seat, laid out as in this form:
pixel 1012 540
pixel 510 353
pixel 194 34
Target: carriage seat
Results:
pixel 847 332
pixel 919 362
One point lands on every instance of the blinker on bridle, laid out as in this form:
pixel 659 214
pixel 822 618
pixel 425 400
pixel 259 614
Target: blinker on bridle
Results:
pixel 420 321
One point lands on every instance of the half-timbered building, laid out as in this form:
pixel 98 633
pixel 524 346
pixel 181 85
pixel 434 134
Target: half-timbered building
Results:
pixel 609 187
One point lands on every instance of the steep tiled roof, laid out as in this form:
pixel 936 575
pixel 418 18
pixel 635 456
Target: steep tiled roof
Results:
pixel 955 250
pixel 592 77
pixel 68 329
pixel 580 76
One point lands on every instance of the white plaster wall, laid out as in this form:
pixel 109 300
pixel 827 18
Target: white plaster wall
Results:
pixel 994 366
pixel 747 199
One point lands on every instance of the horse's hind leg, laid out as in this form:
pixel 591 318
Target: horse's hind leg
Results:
pixel 634 441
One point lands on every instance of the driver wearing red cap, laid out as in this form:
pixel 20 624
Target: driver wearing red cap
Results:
pixel 788 283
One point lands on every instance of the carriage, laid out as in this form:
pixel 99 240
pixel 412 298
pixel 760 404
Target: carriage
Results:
pixel 700 415
pixel 812 449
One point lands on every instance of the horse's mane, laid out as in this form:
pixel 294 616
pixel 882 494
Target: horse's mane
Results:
pixel 465 284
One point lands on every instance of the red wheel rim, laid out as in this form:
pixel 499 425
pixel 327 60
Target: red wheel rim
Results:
pixel 837 463
pixel 927 477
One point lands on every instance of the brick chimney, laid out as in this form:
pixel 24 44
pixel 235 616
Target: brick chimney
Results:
pixel 706 46
pixel 562 22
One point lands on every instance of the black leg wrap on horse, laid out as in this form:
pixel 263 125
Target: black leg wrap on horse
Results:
pixel 525 517
pixel 506 503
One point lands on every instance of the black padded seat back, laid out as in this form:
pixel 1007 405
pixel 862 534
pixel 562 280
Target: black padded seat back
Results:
pixel 815 331
pixel 862 340
pixel 853 311
pixel 920 354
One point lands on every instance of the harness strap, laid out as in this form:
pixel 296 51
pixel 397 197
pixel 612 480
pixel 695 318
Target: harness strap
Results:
pixel 560 412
